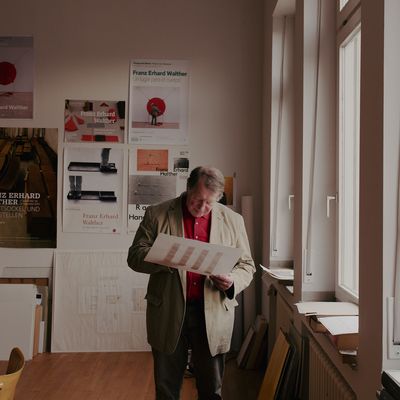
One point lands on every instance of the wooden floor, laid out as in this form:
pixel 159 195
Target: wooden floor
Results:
pixel 114 376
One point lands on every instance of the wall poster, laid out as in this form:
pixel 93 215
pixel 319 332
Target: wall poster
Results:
pixel 92 195
pixel 158 102
pixel 156 174
pixel 16 77
pixel 28 187
pixel 94 121
pixel 98 303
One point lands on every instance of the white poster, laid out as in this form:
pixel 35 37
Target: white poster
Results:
pixel 156 174
pixel 98 303
pixel 158 102
pixel 92 195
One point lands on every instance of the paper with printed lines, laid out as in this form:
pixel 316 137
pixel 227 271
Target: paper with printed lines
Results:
pixel 193 255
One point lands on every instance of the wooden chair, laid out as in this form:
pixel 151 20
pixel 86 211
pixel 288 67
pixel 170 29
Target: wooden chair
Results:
pixel 8 382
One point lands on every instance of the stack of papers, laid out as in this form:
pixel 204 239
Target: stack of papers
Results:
pixel 340 325
pixel 279 273
pixel 338 319
pixel 325 308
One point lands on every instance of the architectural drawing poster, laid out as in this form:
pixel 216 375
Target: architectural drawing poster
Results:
pixel 16 77
pixel 158 102
pixel 28 187
pixel 94 121
pixel 92 195
pixel 98 303
pixel 156 174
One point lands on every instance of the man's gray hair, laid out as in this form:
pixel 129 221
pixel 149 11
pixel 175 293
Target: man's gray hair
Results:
pixel 212 177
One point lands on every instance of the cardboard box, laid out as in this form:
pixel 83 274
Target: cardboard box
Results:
pixel 348 341
pixel 316 326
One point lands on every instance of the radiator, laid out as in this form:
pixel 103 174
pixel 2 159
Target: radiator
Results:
pixel 325 382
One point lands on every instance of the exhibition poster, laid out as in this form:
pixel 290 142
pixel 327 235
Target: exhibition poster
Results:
pixel 94 121
pixel 156 174
pixel 92 195
pixel 158 102
pixel 28 187
pixel 16 77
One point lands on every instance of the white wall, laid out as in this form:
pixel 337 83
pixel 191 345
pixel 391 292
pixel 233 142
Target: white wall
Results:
pixel 83 50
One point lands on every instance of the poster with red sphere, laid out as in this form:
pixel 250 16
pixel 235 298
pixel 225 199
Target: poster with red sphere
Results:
pixel 16 77
pixel 158 102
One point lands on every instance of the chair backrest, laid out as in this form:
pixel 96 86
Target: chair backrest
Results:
pixel 8 382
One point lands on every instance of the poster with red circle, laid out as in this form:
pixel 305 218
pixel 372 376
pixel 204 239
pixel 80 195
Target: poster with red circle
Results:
pixel 158 102
pixel 16 77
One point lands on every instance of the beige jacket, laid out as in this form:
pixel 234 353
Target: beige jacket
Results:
pixel 166 290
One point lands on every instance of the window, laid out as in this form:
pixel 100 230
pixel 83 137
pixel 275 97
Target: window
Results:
pixel 348 163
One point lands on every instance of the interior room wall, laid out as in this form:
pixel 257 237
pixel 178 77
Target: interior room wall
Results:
pixel 83 50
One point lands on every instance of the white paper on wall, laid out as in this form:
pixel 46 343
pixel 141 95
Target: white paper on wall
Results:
pixel 156 174
pixel 98 303
pixel 92 195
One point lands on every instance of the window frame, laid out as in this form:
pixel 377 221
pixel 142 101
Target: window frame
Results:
pixel 349 23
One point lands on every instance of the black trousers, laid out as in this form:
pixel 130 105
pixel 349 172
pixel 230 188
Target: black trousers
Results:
pixel 170 368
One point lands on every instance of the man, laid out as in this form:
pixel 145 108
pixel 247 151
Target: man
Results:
pixel 185 309
pixel 154 112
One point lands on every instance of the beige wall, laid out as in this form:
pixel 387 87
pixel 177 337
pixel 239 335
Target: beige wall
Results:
pixel 83 50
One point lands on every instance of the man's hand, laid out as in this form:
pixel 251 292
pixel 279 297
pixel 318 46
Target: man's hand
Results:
pixel 222 282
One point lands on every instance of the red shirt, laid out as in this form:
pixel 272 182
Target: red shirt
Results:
pixel 198 229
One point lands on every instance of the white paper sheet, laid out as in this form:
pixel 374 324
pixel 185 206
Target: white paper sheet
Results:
pixel 327 308
pixel 340 325
pixel 193 255
pixel 98 303
pixel 279 273
pixel 290 289
pixel 395 374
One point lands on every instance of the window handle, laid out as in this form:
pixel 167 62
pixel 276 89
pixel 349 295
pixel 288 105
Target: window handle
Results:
pixel 328 202
pixel 290 199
